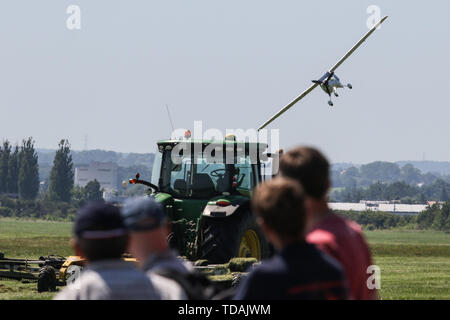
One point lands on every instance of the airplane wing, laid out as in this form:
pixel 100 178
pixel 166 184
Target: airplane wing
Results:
pixel 279 113
pixel 357 45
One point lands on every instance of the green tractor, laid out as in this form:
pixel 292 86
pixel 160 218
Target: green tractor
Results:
pixel 205 188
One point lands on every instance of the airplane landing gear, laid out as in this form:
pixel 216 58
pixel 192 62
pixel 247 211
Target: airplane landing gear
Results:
pixel 349 86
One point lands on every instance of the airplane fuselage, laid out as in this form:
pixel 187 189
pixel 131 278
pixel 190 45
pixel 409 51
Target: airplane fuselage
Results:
pixel 333 84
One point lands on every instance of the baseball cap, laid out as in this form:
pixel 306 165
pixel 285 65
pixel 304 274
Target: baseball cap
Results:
pixel 143 213
pixel 98 220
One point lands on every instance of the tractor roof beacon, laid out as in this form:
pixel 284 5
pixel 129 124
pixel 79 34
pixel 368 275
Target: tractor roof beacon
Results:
pixel 205 188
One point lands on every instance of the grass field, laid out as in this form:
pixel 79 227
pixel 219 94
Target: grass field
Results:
pixel 414 264
pixel 32 239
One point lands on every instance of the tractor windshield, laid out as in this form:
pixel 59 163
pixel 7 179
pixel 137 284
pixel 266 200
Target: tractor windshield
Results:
pixel 194 180
pixel 201 179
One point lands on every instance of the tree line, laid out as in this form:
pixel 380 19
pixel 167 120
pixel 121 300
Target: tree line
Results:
pixel 399 190
pixel 380 171
pixel 19 169
pixel 19 177
pixel 435 217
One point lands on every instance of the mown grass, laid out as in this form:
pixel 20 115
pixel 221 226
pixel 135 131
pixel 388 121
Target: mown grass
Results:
pixel 31 228
pixel 32 239
pixel 17 290
pixel 420 237
pixel 414 264
pixel 414 277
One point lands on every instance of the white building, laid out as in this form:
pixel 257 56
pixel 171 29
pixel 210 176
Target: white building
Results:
pixel 385 206
pixel 104 172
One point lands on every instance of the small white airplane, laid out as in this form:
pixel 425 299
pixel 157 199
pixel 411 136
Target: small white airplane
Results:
pixel 329 82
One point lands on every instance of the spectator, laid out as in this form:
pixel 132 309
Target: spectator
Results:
pixel 335 235
pixel 299 270
pixel 147 223
pixel 101 238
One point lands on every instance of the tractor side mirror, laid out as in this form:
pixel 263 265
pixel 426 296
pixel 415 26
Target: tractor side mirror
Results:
pixel 134 181
pixel 276 162
pixel 145 183
pixel 273 163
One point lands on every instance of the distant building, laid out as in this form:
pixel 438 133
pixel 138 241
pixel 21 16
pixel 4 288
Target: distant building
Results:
pixel 385 206
pixel 104 172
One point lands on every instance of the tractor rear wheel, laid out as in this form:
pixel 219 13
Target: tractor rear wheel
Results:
pixel 238 235
pixel 46 279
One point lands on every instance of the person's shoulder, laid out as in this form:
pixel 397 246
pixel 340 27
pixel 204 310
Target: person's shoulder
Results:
pixel 272 265
pixel 348 223
pixel 335 226
pixel 353 232
pixel 264 272
pixel 68 293
pixel 183 265
pixel 169 260
pixel 258 281
pixel 88 281
pixel 320 236
pixel 323 235
pixel 167 288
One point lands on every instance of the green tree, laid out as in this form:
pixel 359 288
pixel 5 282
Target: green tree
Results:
pixel 446 216
pixel 349 177
pixel 422 198
pixel 13 171
pixel 5 153
pixel 437 190
pixel 28 183
pixel 399 190
pixel 380 171
pixel 93 191
pixel 77 196
pixel 410 174
pixel 426 218
pixel 444 194
pixel 442 218
pixel 61 174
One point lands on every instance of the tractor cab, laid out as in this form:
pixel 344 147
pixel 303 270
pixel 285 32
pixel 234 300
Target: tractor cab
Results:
pixel 206 169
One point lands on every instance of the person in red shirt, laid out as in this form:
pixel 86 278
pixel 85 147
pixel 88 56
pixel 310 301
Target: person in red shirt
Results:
pixel 335 235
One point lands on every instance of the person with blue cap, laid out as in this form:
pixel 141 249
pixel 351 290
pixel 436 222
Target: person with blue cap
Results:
pixel 100 236
pixel 148 228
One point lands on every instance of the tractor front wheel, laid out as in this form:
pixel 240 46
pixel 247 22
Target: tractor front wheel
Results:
pixel 238 235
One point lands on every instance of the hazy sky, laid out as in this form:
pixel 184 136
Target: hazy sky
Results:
pixel 232 64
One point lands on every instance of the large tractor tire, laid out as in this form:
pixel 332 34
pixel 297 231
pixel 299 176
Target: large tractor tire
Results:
pixel 238 235
pixel 46 279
